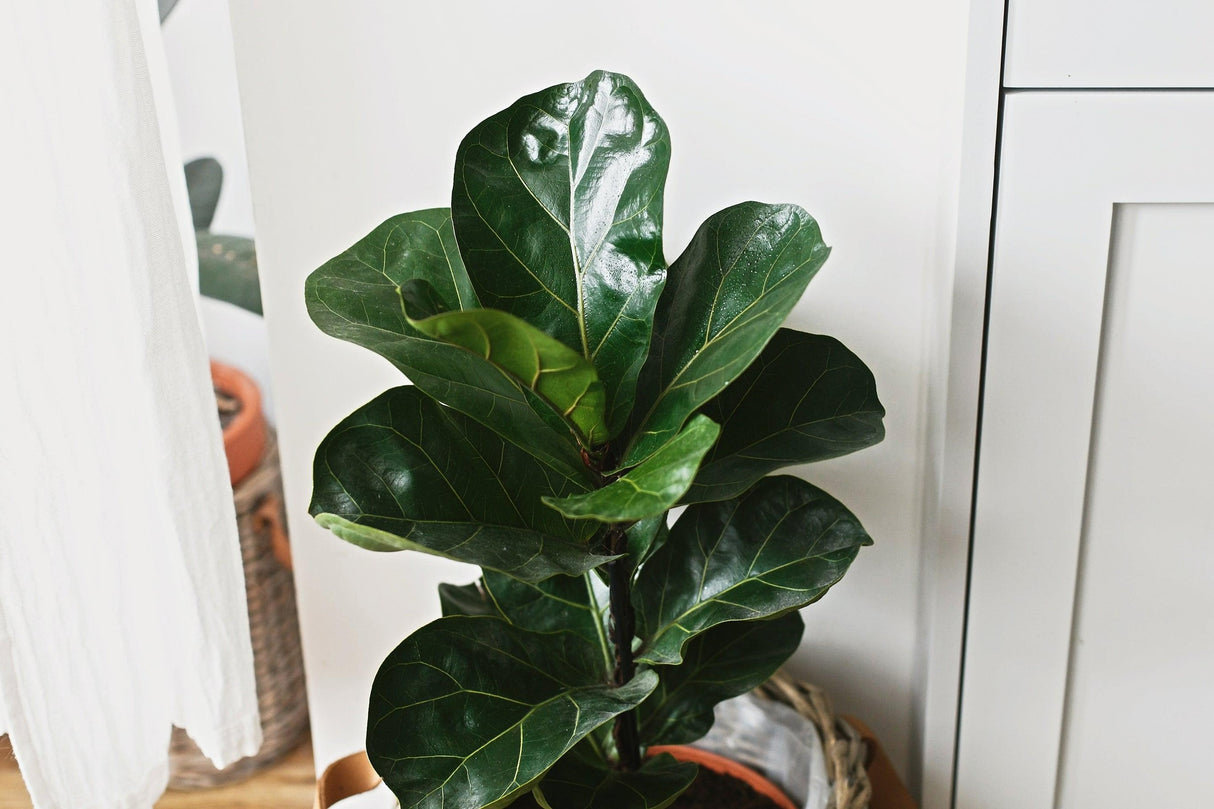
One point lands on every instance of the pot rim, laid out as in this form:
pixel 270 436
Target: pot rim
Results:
pixel 244 439
pixel 727 766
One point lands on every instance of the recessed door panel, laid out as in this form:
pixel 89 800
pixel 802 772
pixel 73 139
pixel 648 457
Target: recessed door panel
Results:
pixel 1089 634
pixel 1139 698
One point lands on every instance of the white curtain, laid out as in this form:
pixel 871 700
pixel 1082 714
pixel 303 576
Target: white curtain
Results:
pixel 122 608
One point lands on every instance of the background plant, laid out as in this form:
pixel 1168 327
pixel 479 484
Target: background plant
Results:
pixel 227 265
pixel 569 389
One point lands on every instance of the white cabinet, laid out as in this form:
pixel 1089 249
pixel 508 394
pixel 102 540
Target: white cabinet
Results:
pixel 1110 43
pixel 1089 665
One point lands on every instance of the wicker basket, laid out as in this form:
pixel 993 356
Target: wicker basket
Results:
pixel 847 753
pixel 273 627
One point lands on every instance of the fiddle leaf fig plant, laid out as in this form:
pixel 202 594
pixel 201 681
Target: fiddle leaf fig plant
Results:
pixel 568 389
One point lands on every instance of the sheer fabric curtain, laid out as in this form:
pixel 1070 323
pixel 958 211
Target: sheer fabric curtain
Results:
pixel 122 607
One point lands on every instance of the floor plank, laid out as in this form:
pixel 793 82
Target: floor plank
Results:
pixel 289 784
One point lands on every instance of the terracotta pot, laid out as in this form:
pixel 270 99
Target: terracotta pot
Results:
pixel 244 439
pixel 725 766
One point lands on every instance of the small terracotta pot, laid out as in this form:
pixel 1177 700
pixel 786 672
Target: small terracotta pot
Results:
pixel 244 439
pixel 725 766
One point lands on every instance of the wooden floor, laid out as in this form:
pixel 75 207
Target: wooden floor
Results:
pixel 289 784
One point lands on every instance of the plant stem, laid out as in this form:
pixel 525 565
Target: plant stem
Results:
pixel 623 627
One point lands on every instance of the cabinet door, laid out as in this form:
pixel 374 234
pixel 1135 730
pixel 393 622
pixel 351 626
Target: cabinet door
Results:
pixel 1110 43
pixel 1089 664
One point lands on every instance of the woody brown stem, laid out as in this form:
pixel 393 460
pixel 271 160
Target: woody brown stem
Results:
pixel 623 627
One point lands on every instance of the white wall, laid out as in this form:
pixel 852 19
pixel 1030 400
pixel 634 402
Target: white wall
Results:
pixel 202 71
pixel 353 111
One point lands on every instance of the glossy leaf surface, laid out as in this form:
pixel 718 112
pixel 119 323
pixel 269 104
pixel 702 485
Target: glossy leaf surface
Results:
pixel 727 294
pixel 417 245
pixel 559 375
pixel 577 604
pixel 644 539
pixel 806 398
pixel 470 711
pixel 404 473
pixel 356 297
pixel 779 546
pixel 582 780
pixel 720 663
pixel 420 300
pixel 649 489
pixel 558 210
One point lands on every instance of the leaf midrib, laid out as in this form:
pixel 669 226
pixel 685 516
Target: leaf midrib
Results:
pixel 728 329
pixel 395 337
pixel 668 624
pixel 517 724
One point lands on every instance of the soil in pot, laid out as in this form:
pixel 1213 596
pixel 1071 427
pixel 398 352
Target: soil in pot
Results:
pixel 713 790
pixel 242 420
pixel 229 406
pixel 710 790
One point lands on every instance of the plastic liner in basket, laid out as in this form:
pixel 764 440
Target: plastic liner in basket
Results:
pixel 775 740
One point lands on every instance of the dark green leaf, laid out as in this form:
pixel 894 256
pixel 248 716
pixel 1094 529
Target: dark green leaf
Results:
pixel 357 297
pixel 558 210
pixel 728 293
pixel 644 538
pixel 559 375
pixel 466 599
pixel 227 270
pixel 419 245
pixel 779 546
pixel 203 179
pixel 584 780
pixel 806 398
pixel 421 300
pixel 649 489
pixel 404 473
pixel 469 711
pixel 719 663
pixel 574 603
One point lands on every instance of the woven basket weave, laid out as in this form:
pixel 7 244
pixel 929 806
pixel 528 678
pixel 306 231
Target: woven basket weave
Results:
pixel 846 752
pixel 273 628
